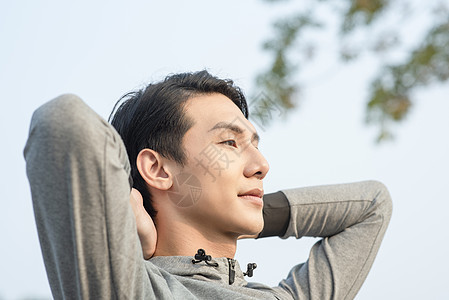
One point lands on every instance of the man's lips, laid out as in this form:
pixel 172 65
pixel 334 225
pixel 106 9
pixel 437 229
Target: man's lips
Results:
pixel 253 192
pixel 254 196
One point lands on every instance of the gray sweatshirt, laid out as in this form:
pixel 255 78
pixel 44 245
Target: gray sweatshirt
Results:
pixel 78 172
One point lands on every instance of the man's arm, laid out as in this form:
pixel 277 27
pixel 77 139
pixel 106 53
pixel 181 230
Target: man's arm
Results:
pixel 78 171
pixel 351 218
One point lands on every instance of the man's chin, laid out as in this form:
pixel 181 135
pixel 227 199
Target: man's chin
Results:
pixel 255 230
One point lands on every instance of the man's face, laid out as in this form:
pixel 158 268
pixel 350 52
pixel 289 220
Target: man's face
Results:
pixel 224 169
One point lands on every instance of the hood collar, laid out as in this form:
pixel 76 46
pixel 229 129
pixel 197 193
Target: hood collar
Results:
pixel 183 266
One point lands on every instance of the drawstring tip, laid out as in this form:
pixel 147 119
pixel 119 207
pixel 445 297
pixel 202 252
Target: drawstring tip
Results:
pixel 201 256
pixel 250 269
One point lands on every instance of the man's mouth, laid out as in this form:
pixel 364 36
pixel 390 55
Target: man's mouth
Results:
pixel 254 195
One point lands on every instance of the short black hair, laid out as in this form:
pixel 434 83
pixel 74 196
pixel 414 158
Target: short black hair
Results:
pixel 154 117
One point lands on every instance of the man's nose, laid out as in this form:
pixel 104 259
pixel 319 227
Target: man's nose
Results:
pixel 256 165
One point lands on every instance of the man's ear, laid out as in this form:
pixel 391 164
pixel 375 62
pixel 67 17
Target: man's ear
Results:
pixel 154 169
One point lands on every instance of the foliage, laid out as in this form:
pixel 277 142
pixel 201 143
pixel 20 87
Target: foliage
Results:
pixel 402 67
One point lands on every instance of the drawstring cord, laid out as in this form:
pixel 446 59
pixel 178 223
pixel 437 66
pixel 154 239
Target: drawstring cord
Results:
pixel 250 269
pixel 201 256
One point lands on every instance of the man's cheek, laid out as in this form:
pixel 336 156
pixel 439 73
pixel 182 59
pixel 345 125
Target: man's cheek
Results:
pixel 212 161
pixel 186 190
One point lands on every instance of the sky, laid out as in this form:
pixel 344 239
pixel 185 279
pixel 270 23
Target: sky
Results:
pixel 100 50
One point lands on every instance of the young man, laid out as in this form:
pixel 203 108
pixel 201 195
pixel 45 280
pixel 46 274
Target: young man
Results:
pixel 187 148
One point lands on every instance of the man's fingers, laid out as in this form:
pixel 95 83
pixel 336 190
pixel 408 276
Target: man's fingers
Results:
pixel 145 225
pixel 137 196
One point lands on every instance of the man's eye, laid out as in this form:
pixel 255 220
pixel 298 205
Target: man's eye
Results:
pixel 230 143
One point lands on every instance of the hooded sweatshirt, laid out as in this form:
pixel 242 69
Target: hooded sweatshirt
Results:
pixel 78 171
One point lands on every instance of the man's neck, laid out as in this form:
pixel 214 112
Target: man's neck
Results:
pixel 181 240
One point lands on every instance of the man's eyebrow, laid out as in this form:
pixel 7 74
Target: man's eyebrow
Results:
pixel 229 126
pixel 234 128
pixel 255 137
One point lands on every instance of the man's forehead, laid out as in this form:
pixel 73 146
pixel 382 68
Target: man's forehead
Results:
pixel 212 109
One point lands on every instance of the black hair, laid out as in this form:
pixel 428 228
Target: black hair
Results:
pixel 154 117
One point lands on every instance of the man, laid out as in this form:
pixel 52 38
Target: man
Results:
pixel 187 148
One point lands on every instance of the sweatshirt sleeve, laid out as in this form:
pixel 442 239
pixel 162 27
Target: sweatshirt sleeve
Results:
pixel 276 215
pixel 78 171
pixel 352 220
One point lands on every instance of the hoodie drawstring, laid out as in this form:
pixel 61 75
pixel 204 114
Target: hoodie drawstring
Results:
pixel 250 269
pixel 201 256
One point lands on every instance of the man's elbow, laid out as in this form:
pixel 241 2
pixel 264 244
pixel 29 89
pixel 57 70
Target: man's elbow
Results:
pixel 382 200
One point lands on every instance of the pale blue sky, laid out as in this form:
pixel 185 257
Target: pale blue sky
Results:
pixel 102 50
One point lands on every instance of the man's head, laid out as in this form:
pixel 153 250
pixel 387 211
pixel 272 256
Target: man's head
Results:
pixel 191 129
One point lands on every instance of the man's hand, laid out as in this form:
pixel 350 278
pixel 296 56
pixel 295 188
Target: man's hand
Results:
pixel 145 225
